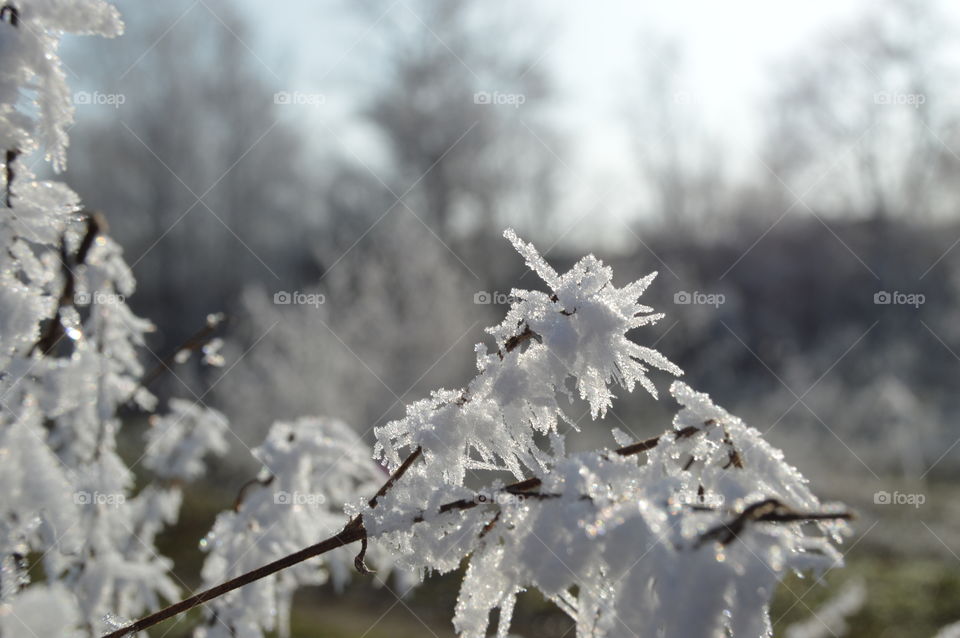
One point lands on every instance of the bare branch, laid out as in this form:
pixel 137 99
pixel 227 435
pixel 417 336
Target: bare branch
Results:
pixel 347 535
pixel 11 155
pixel 54 329
pixel 769 511
pixel 194 342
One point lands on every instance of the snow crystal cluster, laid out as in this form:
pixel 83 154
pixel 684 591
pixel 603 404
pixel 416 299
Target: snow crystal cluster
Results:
pixel 632 548
pixel 689 540
pixel 548 342
pixel 312 468
pixel 69 348
pixel 686 534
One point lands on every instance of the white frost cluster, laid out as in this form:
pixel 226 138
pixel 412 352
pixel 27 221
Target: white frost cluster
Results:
pixel 312 468
pixel 637 548
pixel 42 610
pixel 683 536
pixel 689 538
pixel 29 62
pixel 575 334
pixel 69 360
pixel 177 442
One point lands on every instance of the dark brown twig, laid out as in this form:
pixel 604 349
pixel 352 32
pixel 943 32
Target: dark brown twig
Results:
pixel 515 341
pixel 11 155
pixel 193 343
pixel 358 560
pixel 349 534
pixel 242 492
pixel 96 225
pixel 53 331
pixel 400 471
pixel 489 526
pixel 11 12
pixel 649 444
pixel 768 510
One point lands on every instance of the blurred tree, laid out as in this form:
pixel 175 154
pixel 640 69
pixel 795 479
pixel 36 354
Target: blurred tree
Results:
pixel 680 164
pixel 196 172
pixel 861 118
pixel 460 108
pixel 461 144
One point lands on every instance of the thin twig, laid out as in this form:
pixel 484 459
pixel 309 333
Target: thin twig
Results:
pixel 355 531
pixel 54 329
pixel 11 155
pixel 400 471
pixel 242 492
pixel 768 510
pixel 358 559
pixel 515 341
pixel 349 534
pixel 489 526
pixel 8 10
pixel 193 343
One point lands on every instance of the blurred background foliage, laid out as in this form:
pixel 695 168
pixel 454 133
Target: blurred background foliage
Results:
pixel 385 186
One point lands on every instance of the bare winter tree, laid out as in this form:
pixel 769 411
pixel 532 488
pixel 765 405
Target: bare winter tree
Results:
pixel 864 117
pixel 196 160
pixel 458 134
pixel 680 165
pixel 460 109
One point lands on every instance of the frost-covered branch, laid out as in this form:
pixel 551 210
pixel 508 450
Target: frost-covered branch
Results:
pixel 203 340
pixel 354 531
pixel 710 512
pixel 69 360
pixel 707 482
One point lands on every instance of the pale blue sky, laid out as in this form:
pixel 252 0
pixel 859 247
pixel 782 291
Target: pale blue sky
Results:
pixel 594 49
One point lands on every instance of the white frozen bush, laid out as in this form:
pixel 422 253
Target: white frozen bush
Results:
pixel 713 517
pixel 69 348
pixel 311 469
pixel 177 442
pixel 686 534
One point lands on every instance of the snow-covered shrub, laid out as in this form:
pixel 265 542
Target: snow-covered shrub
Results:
pixel 378 322
pixel 686 534
pixel 615 542
pixel 311 469
pixel 68 362
pixel 707 513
